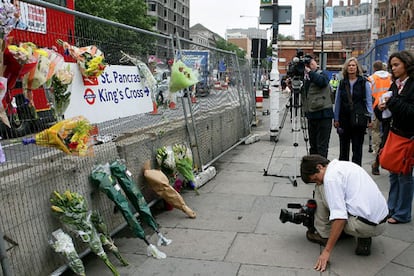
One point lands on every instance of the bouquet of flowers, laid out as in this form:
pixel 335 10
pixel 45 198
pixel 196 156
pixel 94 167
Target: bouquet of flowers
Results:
pixel 182 76
pixel 18 61
pixel 3 90
pixel 72 210
pixel 62 243
pixel 72 136
pixel 8 18
pixel 166 161
pixel 106 239
pixel 90 59
pixel 59 88
pixel 184 164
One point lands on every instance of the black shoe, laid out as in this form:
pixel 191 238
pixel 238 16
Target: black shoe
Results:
pixel 316 238
pixel 375 169
pixel 363 246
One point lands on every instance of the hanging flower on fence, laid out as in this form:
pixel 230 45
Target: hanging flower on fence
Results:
pixel 9 15
pixel 72 210
pixel 62 243
pixel 182 76
pixel 90 59
pixel 71 136
pixel 18 61
pixel 59 88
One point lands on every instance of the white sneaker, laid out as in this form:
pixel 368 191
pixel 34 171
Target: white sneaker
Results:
pixel 163 240
pixel 154 252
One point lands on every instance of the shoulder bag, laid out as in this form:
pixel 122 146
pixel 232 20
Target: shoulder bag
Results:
pixel 397 155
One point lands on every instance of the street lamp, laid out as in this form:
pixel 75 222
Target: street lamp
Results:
pixel 259 48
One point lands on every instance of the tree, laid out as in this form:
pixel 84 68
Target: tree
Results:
pixel 131 12
pixel 111 40
pixel 285 37
pixel 227 46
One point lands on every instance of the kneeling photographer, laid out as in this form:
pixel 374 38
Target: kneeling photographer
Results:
pixel 317 105
pixel 347 200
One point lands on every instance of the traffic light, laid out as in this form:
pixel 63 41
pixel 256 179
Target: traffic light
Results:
pixel 255 48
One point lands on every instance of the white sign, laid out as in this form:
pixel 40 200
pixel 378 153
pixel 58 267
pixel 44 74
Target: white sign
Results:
pixel 119 92
pixel 32 18
pixel 328 20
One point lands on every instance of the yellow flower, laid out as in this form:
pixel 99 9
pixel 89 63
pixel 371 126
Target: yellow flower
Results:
pixel 57 209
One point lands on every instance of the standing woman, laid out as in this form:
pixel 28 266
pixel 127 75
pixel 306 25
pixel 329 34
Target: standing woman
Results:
pixel 401 105
pixel 353 91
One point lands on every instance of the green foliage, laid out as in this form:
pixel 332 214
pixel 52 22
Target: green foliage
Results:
pixel 131 12
pixel 225 45
pixel 111 40
pixel 285 37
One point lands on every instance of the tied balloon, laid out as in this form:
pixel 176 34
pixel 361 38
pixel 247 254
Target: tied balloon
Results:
pixel 71 136
pixel 72 210
pixel 90 59
pixel 62 243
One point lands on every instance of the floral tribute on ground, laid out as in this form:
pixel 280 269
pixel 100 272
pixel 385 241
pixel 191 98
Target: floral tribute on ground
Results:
pixel 114 180
pixel 72 210
pixel 175 160
pixel 62 243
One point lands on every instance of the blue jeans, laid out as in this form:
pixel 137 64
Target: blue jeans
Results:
pixel 400 196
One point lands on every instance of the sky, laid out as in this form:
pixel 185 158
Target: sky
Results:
pixel 219 15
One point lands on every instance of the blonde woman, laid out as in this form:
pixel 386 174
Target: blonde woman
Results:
pixel 354 93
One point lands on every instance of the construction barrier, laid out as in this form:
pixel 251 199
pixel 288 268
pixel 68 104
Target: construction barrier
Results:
pixel 259 98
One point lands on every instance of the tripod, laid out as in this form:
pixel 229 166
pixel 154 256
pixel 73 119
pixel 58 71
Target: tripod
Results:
pixel 298 123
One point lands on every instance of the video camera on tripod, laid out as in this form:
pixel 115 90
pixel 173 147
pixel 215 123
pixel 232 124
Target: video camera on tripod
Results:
pixel 296 67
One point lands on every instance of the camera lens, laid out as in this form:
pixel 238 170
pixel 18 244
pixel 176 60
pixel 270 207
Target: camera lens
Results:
pixel 285 216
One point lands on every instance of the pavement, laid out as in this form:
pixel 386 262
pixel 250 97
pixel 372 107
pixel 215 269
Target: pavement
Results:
pixel 237 230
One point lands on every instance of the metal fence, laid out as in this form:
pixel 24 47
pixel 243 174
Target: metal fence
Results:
pixel 384 47
pixel 210 123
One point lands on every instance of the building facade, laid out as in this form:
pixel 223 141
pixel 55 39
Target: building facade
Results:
pixel 172 17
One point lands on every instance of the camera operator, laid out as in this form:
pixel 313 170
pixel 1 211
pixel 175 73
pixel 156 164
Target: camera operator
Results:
pixel 317 105
pixel 348 200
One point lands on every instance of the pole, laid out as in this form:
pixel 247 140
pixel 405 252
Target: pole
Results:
pixel 274 78
pixel 258 54
pixel 322 35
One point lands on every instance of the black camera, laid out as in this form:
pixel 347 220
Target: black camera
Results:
pixel 296 67
pixel 305 215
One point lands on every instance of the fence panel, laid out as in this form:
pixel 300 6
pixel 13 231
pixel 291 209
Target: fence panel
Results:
pixel 384 47
pixel 220 109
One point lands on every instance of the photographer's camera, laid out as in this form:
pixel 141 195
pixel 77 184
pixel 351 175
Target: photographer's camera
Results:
pixel 304 216
pixel 297 65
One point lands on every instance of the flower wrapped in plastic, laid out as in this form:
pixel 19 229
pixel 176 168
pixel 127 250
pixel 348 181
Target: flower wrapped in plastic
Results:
pixel 90 59
pixel 3 90
pixel 71 136
pixel 106 239
pixel 72 210
pixel 182 76
pixel 37 76
pixel 18 61
pixel 59 88
pixel 9 16
pixel 62 243
pixel 166 160
pixel 184 164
